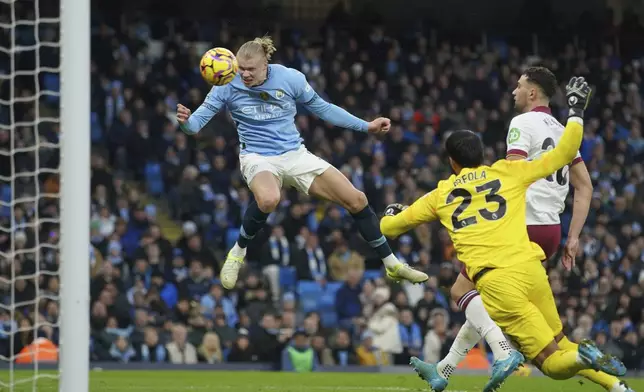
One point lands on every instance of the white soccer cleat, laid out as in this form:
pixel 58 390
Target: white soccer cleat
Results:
pixel 230 270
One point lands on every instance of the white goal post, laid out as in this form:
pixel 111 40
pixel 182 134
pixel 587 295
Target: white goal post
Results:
pixel 75 194
pixel 27 134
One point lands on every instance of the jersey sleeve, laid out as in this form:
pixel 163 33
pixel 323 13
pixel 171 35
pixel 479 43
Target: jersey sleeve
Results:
pixel 422 211
pixel 302 90
pixel 518 139
pixel 553 160
pixel 215 100
pixel 577 159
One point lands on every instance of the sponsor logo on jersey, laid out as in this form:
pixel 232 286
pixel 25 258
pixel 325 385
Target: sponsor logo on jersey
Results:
pixel 514 135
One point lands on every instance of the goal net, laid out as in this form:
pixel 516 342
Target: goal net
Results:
pixel 44 170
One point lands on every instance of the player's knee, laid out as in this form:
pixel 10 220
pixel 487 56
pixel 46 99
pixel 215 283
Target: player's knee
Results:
pixel 549 350
pixel 356 202
pixel 268 201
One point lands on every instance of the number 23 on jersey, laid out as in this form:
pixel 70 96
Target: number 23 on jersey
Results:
pixel 493 208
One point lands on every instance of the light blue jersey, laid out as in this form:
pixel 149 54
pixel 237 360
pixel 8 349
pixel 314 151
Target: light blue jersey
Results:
pixel 265 114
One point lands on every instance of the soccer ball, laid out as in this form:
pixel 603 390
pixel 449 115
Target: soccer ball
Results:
pixel 218 66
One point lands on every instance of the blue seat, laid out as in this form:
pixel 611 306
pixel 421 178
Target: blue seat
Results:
pixel 326 302
pixel 309 293
pixel 154 178
pixel 288 276
pixel 231 237
pixel 372 274
pixel 306 287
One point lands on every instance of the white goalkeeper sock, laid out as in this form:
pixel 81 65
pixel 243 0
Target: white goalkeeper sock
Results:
pixel 477 315
pixel 465 340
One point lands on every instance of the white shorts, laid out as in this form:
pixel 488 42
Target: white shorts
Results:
pixel 296 168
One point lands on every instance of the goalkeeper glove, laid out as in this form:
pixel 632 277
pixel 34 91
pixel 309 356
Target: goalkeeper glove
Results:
pixel 578 94
pixel 394 209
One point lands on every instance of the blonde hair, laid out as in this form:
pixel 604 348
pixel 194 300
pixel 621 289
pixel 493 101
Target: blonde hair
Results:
pixel 259 46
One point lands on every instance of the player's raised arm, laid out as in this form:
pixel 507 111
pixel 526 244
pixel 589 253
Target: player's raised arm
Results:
pixel 331 113
pixel 578 94
pixel 192 123
pixel 400 219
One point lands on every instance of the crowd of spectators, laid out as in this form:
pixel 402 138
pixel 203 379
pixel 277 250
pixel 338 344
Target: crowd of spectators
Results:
pixel 157 300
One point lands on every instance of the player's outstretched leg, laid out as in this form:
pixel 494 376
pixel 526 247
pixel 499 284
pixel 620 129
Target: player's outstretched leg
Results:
pixel 608 382
pixel 563 364
pixel 332 185
pixel 266 189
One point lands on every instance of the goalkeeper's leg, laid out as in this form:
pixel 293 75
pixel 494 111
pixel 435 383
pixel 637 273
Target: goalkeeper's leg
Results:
pixel 558 362
pixel 549 311
pixel 608 382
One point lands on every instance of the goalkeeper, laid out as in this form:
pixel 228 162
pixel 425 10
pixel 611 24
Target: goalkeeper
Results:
pixel 483 209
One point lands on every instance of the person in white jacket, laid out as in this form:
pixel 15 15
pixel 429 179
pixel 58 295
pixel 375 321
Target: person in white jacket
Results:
pixel 180 351
pixel 383 323
pixel 436 335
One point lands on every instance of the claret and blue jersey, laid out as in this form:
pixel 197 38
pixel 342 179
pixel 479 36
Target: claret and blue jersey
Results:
pixel 265 114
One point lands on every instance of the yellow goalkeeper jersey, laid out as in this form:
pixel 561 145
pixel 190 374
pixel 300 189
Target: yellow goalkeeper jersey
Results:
pixel 483 208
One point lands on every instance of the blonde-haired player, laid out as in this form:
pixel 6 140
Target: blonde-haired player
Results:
pixel 262 101
pixel 484 210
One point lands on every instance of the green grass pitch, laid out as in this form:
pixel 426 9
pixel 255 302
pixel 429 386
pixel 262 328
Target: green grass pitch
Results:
pixel 215 381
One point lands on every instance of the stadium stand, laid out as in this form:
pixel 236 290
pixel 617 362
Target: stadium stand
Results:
pixel 166 207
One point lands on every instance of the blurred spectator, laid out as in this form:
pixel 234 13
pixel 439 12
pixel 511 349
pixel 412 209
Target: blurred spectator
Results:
pixel 151 350
pixel 343 259
pixel 268 339
pixel 369 354
pixel 435 339
pixel 299 356
pixel 343 351
pixel 241 351
pixel 210 349
pixel 323 353
pixel 383 323
pixel 180 351
pixel 410 336
pixel 347 300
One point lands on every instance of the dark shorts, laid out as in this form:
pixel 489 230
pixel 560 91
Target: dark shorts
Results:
pixel 548 237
